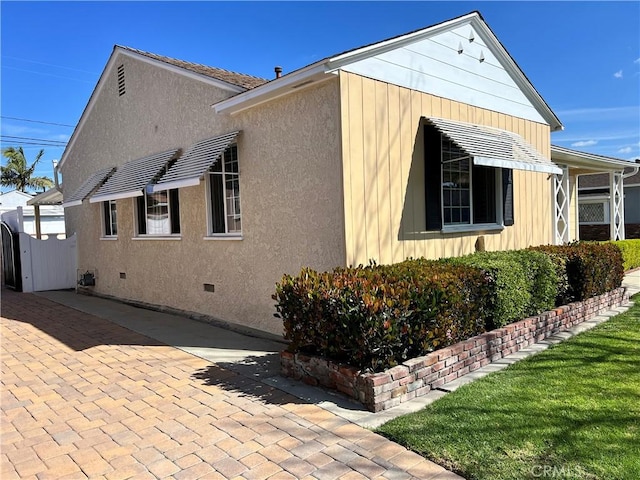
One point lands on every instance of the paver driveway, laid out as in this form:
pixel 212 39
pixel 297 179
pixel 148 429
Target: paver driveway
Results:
pixel 85 398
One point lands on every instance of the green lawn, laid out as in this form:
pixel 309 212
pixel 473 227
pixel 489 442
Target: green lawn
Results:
pixel 570 412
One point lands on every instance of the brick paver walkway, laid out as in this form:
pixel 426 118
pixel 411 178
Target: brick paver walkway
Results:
pixel 85 398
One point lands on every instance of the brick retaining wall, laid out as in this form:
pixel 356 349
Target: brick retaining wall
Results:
pixel 418 376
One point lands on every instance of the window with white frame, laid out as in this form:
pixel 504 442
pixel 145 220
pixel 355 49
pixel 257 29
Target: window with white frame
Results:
pixel 470 192
pixel 224 195
pixel 109 219
pixel 158 213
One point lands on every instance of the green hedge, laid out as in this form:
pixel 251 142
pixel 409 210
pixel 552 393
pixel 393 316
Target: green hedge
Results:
pixel 524 283
pixel 378 316
pixel 590 268
pixel 630 253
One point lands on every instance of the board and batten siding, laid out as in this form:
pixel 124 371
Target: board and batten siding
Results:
pixel 383 175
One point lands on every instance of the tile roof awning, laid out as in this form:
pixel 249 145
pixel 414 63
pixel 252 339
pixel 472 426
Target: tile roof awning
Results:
pixel 89 185
pixel 132 178
pixel 191 167
pixel 494 147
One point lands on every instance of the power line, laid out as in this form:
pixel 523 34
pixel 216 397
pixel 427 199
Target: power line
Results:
pixel 47 74
pixel 38 121
pixel 48 64
pixel 43 141
pixel 35 139
pixel 36 144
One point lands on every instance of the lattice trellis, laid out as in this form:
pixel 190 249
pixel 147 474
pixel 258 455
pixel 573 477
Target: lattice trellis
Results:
pixel 561 196
pixel 616 205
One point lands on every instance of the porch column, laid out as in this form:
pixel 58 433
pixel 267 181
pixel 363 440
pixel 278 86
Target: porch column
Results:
pixel 616 205
pixel 561 208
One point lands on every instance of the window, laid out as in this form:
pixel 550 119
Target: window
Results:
pixel 460 194
pixel 158 213
pixel 469 192
pixel 456 185
pixel 593 212
pixel 224 194
pixel 109 219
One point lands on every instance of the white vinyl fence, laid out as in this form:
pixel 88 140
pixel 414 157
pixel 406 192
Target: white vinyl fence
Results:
pixel 48 264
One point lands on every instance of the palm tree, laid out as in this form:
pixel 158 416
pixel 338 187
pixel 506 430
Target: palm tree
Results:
pixel 17 174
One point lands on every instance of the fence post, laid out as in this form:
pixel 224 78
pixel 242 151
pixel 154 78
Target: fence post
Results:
pixel 20 219
pixel 25 262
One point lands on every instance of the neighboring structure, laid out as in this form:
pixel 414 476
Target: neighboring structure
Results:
pixel 576 164
pixel 433 144
pixel 595 204
pixel 36 221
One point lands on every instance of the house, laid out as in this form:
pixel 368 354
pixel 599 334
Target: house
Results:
pixel 595 204
pixel 196 188
pixel 18 210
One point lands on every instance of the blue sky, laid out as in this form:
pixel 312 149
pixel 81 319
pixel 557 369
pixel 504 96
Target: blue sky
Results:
pixel 582 57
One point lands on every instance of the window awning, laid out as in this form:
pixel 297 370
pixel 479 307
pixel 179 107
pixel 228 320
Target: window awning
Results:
pixel 191 167
pixel 89 185
pixel 494 147
pixel 132 178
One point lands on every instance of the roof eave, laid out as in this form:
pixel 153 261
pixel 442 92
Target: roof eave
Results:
pixel 181 70
pixel 276 88
pixel 588 161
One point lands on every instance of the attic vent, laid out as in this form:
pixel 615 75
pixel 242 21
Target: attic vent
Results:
pixel 121 89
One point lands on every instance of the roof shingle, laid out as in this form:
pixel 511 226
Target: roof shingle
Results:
pixel 601 180
pixel 234 78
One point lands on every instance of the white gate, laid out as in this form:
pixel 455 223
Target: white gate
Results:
pixel 48 264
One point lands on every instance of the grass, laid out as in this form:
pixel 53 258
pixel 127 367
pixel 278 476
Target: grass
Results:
pixel 570 412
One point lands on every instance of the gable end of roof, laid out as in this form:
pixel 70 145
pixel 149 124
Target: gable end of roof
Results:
pixel 314 72
pixel 233 81
pixel 476 20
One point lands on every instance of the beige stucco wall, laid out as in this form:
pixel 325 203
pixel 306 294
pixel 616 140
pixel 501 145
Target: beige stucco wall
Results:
pixel 290 186
pixel 383 162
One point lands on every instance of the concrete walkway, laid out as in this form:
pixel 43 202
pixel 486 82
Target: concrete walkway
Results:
pixel 84 397
pixel 632 281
